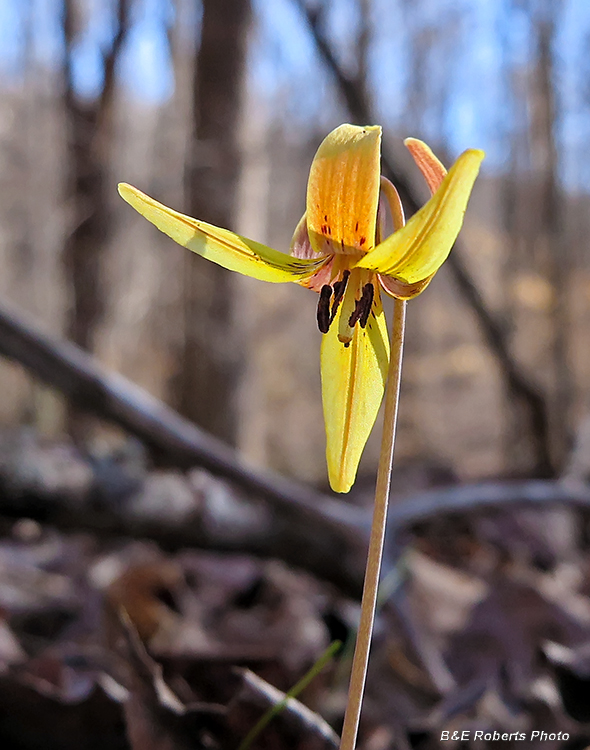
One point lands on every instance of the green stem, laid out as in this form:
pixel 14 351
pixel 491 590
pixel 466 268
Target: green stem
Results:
pixel 360 660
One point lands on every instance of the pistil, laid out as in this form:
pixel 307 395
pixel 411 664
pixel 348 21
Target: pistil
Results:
pixel 339 289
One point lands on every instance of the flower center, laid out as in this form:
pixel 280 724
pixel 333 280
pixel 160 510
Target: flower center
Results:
pixel 355 290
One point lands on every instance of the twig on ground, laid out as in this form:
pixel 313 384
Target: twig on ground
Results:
pixel 110 396
pixel 329 550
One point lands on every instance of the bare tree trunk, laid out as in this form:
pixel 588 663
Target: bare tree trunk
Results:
pixel 519 454
pixel 554 256
pixel 206 384
pixel 533 217
pixel 88 132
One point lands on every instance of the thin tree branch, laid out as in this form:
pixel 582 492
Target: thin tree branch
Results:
pixel 492 329
pixel 468 498
pixel 180 443
pixel 317 532
pixel 328 549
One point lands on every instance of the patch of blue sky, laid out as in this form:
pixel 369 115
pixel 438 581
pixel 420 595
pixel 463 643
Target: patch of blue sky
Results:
pixel 146 65
pixel 515 27
pixel 284 66
pixel 95 36
pixel 342 20
pixel 573 43
pixel 466 64
pixel 17 37
pixel 11 38
pixel 388 64
pixel 472 112
pixel 47 33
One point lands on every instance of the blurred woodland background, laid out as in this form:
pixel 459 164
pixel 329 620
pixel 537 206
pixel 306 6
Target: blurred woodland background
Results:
pixel 218 111
pixel 216 107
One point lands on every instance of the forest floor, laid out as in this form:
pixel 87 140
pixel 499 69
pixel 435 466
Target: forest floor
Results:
pixel 110 638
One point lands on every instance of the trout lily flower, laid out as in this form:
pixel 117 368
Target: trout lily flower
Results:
pixel 339 252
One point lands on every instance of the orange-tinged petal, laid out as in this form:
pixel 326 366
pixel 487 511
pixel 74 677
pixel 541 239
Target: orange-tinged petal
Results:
pixel 417 251
pixel 343 191
pixel 220 245
pixel 400 290
pixel 353 383
pixel 432 169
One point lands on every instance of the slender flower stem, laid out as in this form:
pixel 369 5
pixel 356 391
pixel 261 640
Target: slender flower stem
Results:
pixel 360 660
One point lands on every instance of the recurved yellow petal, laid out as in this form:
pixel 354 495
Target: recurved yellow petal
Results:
pixel 353 382
pixel 220 245
pixel 419 249
pixel 343 190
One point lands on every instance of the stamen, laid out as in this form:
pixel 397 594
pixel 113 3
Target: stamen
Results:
pixel 368 294
pixel 362 307
pixel 339 289
pixel 324 319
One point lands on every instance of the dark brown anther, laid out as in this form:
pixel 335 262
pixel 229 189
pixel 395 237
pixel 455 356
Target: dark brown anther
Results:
pixel 362 308
pixel 356 313
pixel 368 294
pixel 324 319
pixel 339 289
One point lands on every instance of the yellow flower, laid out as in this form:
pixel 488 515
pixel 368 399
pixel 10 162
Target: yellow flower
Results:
pixel 337 251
